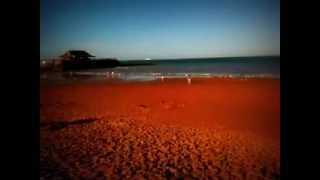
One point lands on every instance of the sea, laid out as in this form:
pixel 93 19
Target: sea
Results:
pixel 243 67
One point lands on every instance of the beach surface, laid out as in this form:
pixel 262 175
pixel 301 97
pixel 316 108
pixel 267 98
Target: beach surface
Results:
pixel 213 128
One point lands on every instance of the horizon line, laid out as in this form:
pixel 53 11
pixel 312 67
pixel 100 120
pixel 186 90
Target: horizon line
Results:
pixel 277 55
pixel 151 59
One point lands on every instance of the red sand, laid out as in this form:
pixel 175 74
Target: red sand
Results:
pixel 234 119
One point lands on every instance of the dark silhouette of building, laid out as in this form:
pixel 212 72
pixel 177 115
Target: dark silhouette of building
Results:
pixel 79 59
pixel 76 55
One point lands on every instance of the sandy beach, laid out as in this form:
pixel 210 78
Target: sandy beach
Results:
pixel 213 128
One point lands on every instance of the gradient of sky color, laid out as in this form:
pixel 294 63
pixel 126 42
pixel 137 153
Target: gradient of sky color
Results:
pixel 160 28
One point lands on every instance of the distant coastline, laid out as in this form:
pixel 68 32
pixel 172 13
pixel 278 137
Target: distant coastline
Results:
pixel 202 58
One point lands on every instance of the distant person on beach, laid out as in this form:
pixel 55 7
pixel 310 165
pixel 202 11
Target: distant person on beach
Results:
pixel 188 78
pixel 162 78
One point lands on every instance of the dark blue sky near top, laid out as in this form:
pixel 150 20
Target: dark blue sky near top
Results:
pixel 160 29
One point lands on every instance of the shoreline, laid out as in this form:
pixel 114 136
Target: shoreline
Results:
pixel 83 78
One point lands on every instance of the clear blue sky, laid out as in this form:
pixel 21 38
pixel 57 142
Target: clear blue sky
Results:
pixel 160 28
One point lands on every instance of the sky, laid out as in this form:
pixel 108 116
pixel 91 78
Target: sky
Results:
pixel 139 29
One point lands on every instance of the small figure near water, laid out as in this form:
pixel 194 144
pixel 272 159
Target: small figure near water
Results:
pixel 162 78
pixel 188 78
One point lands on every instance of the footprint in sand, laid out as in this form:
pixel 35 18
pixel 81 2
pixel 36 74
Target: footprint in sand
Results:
pixel 143 108
pixel 172 105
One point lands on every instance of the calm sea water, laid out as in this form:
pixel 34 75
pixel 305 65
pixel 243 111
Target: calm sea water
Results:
pixel 265 67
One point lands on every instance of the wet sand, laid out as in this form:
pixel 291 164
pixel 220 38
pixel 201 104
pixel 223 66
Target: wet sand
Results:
pixel 222 128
